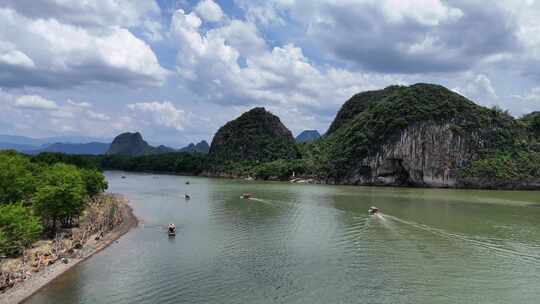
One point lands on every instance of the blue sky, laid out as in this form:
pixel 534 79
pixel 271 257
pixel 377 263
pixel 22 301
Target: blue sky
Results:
pixel 178 70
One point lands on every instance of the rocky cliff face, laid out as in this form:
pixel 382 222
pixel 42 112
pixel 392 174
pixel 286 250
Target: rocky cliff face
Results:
pixel 421 135
pixel 256 135
pixel 426 154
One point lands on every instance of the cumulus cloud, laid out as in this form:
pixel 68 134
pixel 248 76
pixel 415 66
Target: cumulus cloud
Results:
pixel 209 61
pixel 401 36
pixel 478 87
pixel 35 102
pixel 46 52
pixel 209 11
pixel 87 13
pixel 79 104
pixel 163 114
pixel 20 113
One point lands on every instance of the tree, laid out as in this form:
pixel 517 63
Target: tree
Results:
pixel 3 242
pixel 18 228
pixel 94 181
pixel 60 195
pixel 16 180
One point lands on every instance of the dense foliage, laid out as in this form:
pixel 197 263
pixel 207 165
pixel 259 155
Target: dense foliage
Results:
pixel 17 177
pixel 506 168
pixel 256 136
pixel 40 194
pixel 18 228
pixel 382 120
pixel 60 195
pixel 186 163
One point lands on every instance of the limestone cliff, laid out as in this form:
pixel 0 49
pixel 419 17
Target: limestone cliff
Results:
pixel 421 135
pixel 425 154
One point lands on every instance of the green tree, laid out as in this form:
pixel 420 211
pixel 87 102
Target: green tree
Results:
pixel 3 242
pixel 18 228
pixel 94 181
pixel 16 180
pixel 60 195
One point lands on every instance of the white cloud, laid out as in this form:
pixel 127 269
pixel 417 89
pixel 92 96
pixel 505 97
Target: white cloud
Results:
pixel 87 13
pixel 163 114
pixel 479 86
pixel 153 30
pixel 209 11
pixel 79 104
pixel 14 57
pixel 425 12
pixel 54 54
pixel 35 102
pixel 209 63
pixel 97 116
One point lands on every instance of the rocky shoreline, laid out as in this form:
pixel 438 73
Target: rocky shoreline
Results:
pixel 42 264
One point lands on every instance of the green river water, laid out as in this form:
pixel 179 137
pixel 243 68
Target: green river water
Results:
pixel 295 243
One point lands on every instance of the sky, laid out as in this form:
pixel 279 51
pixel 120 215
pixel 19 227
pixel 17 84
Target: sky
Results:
pixel 178 70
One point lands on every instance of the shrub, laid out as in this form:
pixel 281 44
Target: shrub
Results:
pixel 18 228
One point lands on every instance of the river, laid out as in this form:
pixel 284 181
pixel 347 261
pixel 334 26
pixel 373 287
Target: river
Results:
pixel 295 243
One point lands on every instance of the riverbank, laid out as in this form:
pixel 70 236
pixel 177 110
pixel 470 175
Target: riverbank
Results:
pixel 99 234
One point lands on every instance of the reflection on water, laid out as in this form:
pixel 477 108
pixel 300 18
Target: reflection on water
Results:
pixel 312 244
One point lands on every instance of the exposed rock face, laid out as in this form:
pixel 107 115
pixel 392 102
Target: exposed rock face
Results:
pixel 133 144
pixel 308 136
pixel 426 154
pixel 421 135
pixel 256 135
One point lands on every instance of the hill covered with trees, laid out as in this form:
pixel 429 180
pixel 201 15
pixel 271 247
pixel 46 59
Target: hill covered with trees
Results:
pixel 255 136
pixel 419 135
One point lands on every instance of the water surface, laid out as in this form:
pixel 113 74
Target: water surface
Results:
pixel 311 244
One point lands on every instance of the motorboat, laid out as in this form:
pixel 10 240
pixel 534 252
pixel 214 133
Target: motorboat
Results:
pixel 373 210
pixel 186 196
pixel 245 195
pixel 171 230
pixel 187 182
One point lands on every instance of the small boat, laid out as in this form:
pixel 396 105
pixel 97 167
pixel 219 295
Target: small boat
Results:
pixel 171 230
pixel 123 176
pixel 186 196
pixel 373 210
pixel 245 195
pixel 187 182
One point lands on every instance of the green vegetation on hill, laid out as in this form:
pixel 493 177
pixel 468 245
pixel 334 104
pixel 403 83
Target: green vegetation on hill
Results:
pixel 382 120
pixel 255 136
pixel 180 162
pixel 358 104
pixel 495 150
pixel 41 194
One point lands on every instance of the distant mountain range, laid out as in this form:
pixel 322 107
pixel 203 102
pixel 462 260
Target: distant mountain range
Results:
pixel 307 136
pixel 37 142
pixel 201 147
pixel 63 144
pixel 92 148
pixel 133 144
pixel 126 143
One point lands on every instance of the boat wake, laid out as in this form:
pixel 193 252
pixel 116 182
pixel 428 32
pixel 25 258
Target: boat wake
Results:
pixel 498 249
